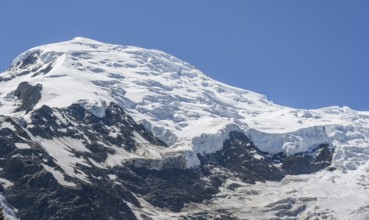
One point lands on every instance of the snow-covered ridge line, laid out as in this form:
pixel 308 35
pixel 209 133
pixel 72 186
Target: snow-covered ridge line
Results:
pixel 175 101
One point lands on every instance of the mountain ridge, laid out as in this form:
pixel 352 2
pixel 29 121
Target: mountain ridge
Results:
pixel 119 117
pixel 159 89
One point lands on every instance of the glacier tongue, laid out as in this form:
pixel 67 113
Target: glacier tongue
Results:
pixel 177 102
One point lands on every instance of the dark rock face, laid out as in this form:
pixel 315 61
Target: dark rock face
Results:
pixel 171 188
pixel 37 194
pixel 307 162
pixel 29 95
pixel 79 122
pixel 114 117
pixel 29 60
pixel 7 142
pixel 240 157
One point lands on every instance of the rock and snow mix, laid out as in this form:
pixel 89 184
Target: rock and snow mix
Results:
pixel 179 104
pixel 190 112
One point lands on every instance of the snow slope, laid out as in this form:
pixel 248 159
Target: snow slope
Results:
pixel 178 103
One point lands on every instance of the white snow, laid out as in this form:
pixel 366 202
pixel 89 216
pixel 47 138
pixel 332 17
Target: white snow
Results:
pixel 112 176
pixel 58 176
pixel 301 140
pixel 22 146
pixel 5 183
pixel 61 150
pixel 7 125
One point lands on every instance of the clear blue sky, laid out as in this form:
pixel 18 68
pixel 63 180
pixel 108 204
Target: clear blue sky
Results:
pixel 304 54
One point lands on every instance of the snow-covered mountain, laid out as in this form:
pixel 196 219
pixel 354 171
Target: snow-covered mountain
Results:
pixel 96 131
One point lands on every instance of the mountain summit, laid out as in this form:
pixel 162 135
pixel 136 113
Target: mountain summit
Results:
pixel 90 130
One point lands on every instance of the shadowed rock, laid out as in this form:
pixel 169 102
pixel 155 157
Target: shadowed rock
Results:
pixel 30 95
pixel 309 162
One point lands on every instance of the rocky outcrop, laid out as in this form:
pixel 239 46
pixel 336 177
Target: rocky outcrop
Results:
pixel 304 163
pixel 239 158
pixel 317 159
pixel 30 95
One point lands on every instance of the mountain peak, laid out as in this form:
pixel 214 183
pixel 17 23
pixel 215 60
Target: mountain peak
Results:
pixel 85 40
pixel 102 122
pixel 172 99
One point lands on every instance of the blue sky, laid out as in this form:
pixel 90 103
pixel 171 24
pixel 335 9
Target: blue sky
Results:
pixel 303 54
